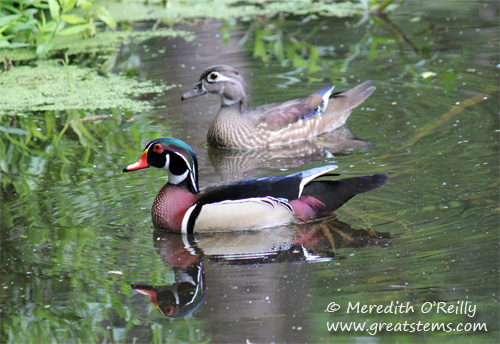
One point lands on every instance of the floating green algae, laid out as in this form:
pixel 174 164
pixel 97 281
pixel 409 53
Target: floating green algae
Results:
pixel 53 86
pixel 101 42
pixel 177 11
pixel 114 39
pixel 19 54
pixel 174 12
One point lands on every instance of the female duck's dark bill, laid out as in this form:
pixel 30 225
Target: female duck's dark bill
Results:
pixel 197 91
pixel 140 164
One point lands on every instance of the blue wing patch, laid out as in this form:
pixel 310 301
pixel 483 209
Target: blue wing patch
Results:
pixel 325 93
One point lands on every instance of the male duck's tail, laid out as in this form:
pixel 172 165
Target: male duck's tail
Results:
pixel 321 198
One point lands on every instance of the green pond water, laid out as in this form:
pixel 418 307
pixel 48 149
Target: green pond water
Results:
pixel 80 262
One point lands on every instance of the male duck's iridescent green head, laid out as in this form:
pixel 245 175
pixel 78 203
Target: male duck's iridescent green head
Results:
pixel 173 156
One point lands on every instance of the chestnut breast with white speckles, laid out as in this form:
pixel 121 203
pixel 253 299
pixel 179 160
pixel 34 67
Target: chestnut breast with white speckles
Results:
pixel 169 208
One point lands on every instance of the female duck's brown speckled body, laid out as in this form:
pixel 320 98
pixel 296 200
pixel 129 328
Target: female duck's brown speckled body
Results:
pixel 272 124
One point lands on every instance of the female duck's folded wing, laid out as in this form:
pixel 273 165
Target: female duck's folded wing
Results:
pixel 280 115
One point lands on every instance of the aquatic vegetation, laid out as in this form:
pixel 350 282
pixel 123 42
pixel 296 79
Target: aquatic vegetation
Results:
pixel 49 27
pixel 102 43
pixel 37 23
pixel 31 29
pixel 54 86
pixel 177 11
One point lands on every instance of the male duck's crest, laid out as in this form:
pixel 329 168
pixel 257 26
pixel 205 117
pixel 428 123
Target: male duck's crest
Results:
pixel 173 156
pixel 247 204
pixel 272 124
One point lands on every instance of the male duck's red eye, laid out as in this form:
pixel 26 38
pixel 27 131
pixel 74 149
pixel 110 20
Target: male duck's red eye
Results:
pixel 169 310
pixel 157 148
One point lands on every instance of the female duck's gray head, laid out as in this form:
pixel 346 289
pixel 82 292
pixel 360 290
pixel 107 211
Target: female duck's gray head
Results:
pixel 223 80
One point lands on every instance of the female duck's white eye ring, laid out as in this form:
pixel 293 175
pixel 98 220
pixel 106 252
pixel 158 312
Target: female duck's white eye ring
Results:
pixel 212 77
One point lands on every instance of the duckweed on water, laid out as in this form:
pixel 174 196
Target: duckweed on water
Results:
pixel 114 39
pixel 178 11
pixel 53 86
pixel 101 42
pixel 175 12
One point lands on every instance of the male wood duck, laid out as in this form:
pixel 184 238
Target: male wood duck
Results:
pixel 272 124
pixel 181 298
pixel 181 206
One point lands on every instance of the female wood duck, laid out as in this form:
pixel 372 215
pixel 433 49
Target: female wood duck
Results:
pixel 272 124
pixel 181 206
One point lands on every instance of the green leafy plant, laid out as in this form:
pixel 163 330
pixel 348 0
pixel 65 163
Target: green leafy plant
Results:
pixel 35 23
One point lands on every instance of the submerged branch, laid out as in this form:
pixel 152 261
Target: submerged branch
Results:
pixel 455 110
pixel 397 31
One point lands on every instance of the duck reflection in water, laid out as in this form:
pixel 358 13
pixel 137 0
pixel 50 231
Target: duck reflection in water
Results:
pixel 187 254
pixel 233 164
pixel 188 291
